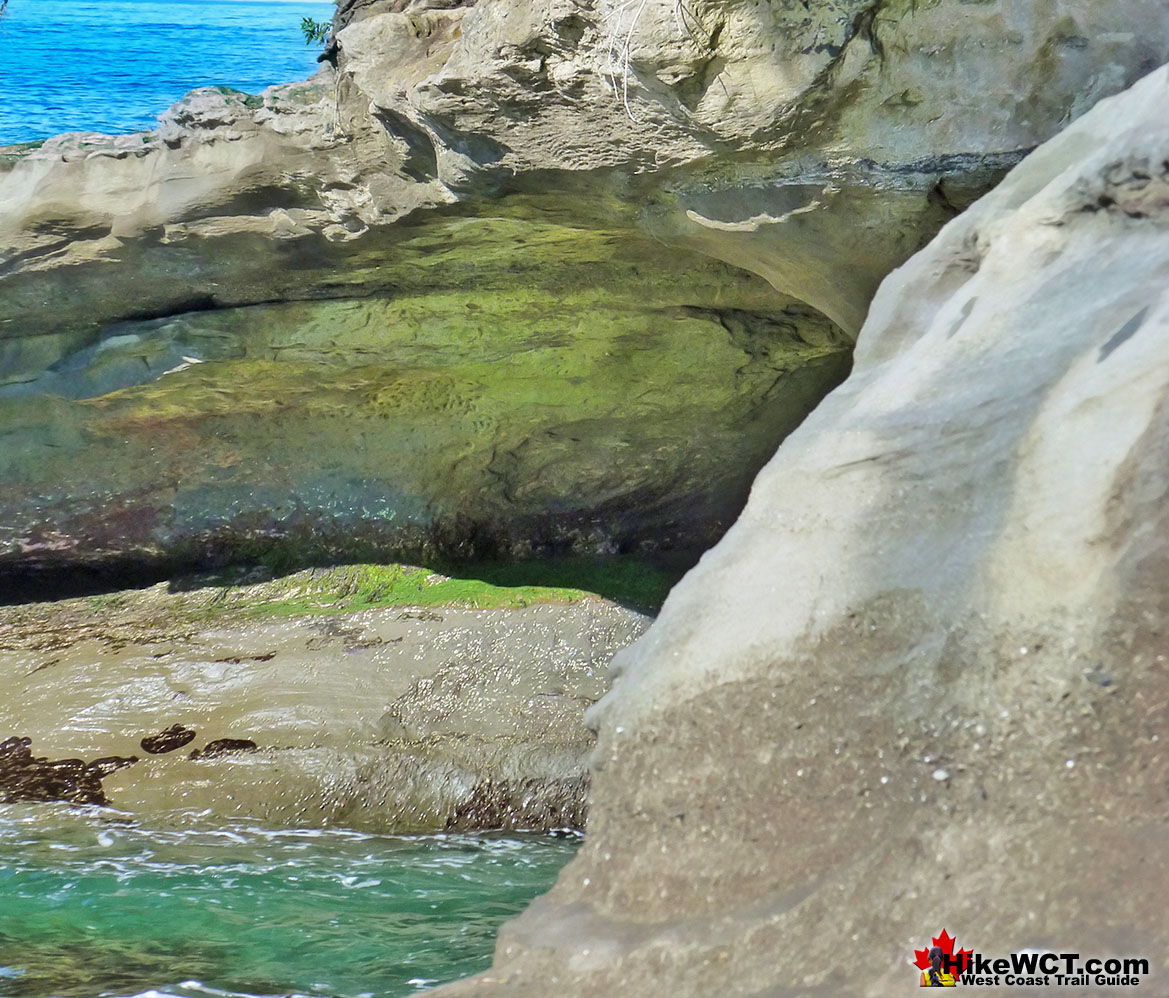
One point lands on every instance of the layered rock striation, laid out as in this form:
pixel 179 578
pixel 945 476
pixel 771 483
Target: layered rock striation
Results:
pixel 922 682
pixel 503 280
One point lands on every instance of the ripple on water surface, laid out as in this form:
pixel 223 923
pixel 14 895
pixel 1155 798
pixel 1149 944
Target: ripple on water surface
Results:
pixel 91 906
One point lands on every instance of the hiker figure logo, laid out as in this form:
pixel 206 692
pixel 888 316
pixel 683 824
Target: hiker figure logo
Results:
pixel 940 966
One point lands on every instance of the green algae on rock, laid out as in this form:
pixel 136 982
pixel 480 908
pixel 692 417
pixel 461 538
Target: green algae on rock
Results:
pixel 468 175
pixel 378 697
pixel 599 404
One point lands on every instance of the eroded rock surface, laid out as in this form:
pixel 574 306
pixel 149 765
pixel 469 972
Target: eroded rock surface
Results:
pixel 300 712
pixel 513 278
pixel 923 680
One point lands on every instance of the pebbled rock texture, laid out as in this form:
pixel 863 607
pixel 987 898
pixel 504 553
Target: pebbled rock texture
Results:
pixel 279 702
pixel 510 279
pixel 923 680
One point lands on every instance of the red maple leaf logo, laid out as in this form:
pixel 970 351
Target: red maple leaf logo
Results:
pixel 959 963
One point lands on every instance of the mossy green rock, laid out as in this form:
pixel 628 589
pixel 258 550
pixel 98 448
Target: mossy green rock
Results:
pixel 384 697
pixel 527 388
pixel 504 279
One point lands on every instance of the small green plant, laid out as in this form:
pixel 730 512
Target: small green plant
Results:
pixel 348 589
pixel 315 32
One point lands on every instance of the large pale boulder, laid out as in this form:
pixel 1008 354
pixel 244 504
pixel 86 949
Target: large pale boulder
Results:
pixel 544 184
pixel 922 682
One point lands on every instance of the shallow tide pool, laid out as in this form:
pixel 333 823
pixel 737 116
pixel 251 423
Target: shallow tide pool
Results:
pixel 96 904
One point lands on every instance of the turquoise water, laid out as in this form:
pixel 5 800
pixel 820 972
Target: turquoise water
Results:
pixel 91 906
pixel 114 65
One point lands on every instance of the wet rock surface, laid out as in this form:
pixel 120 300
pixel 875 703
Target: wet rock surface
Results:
pixel 223 746
pixel 302 712
pixel 174 737
pixel 522 804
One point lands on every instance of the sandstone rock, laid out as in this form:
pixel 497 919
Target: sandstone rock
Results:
pixel 302 711
pixel 922 682
pixel 496 422
pixel 817 144
pixel 543 184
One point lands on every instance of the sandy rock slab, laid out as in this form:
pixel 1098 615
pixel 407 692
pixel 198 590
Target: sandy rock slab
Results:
pixel 923 682
pixel 276 701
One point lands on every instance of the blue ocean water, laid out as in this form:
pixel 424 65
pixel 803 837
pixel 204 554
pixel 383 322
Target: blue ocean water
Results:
pixel 114 65
pixel 92 906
